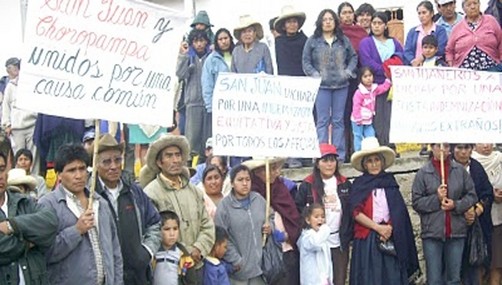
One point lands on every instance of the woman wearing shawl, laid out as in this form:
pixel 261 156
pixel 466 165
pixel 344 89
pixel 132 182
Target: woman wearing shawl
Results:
pixel 441 203
pixel 287 226
pixel 380 216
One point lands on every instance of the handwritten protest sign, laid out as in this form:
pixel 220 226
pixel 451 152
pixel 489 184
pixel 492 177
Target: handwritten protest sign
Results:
pixel 264 115
pixel 446 105
pixel 112 60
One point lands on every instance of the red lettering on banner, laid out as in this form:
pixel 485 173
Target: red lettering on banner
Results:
pixel 68 7
pixel 118 15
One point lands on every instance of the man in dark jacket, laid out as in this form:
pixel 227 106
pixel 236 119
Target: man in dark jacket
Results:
pixel 137 220
pixel 26 231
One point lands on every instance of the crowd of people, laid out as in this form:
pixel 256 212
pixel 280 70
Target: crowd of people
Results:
pixel 152 219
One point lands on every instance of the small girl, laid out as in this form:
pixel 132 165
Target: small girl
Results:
pixel 363 108
pixel 315 255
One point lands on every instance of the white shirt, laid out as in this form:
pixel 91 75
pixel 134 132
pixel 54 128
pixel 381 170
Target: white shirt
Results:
pixel 5 210
pixel 333 210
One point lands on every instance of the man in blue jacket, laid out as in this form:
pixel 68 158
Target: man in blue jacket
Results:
pixel 137 220
pixel 26 232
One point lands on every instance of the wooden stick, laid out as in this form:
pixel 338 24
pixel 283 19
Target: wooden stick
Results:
pixel 267 187
pixel 94 158
pixel 441 162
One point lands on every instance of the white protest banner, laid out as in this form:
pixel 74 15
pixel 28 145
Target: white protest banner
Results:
pixel 264 115
pixel 112 60
pixel 438 104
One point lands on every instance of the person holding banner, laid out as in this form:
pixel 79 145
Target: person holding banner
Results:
pixel 242 215
pixel 218 61
pixel 383 250
pixel 87 236
pixel 168 186
pixel 375 51
pixel 329 54
pixel 442 193
pixel 191 59
pixel 476 42
pixel 329 188
pixel 287 220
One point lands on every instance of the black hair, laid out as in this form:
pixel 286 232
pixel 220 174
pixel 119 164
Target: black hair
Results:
pixel 169 215
pixel 217 47
pixel 365 8
pixel 197 34
pixel 318 24
pixel 430 40
pixel 362 71
pixel 25 152
pixel 68 153
pixel 220 235
pixel 345 4
pixel 237 169
pixel 210 168
pixel 2 155
pixel 13 61
pixel 271 23
pixel 307 212
pixel 382 16
pixel 318 184
pixel 427 5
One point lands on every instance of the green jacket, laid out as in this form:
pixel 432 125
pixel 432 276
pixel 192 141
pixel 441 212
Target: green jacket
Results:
pixel 196 227
pixel 35 228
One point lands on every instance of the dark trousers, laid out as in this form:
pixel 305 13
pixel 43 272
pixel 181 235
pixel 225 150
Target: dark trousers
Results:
pixel 292 267
pixel 340 261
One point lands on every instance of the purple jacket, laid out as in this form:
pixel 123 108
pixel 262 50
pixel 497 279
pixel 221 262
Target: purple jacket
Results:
pixel 368 56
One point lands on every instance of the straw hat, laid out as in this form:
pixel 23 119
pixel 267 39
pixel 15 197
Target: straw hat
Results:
pixel 287 12
pixel 258 162
pixel 108 142
pixel 161 143
pixel 147 175
pixel 18 176
pixel 370 146
pixel 246 21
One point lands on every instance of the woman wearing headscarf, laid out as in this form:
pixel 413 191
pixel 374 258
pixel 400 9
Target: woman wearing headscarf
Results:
pixel 381 217
pixel 441 194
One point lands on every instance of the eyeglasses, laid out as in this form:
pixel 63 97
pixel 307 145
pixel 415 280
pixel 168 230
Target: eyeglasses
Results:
pixel 108 162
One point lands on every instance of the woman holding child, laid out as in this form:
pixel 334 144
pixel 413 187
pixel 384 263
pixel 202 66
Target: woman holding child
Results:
pixel 381 218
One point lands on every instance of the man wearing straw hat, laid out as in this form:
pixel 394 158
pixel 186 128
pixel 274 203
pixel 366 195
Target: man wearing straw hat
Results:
pixel 137 220
pixel 171 190
pixel 26 231
pixel 87 249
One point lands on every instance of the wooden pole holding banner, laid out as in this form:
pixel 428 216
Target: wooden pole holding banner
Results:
pixel 267 194
pixel 94 158
pixel 441 162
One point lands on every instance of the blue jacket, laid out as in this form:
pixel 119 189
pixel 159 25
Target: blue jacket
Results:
pixel 214 64
pixel 70 259
pixel 411 43
pixel 216 272
pixel 335 64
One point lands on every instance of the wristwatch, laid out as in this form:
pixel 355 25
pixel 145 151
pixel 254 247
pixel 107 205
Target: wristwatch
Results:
pixel 9 227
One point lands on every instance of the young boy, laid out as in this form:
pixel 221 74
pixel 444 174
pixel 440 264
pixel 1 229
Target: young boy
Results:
pixel 170 258
pixel 215 270
pixel 429 50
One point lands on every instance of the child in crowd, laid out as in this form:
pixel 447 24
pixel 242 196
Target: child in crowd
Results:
pixel 429 50
pixel 363 108
pixel 315 255
pixel 170 260
pixel 215 270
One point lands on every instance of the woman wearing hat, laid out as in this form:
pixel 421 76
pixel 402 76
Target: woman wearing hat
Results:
pixel 381 218
pixel 242 215
pixel 441 193
pixel 329 55
pixel 250 55
pixel 328 187
pixel 286 218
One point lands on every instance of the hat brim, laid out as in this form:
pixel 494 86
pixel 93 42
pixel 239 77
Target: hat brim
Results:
pixel 165 141
pixel 279 23
pixel 120 147
pixel 256 163
pixel 26 180
pixel 387 152
pixel 258 27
